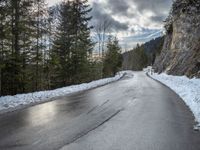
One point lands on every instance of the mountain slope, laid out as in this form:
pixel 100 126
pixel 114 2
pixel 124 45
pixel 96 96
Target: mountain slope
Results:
pixel 181 51
pixel 142 55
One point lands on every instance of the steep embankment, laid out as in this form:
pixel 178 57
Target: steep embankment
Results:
pixel 181 51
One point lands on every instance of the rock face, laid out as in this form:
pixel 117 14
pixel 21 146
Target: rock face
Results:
pixel 181 50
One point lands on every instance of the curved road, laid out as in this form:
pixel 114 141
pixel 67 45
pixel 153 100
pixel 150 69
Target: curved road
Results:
pixel 135 113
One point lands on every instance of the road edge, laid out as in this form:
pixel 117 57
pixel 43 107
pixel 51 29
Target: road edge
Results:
pixel 22 107
pixel 196 125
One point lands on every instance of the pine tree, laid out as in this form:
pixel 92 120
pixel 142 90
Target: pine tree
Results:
pixel 113 58
pixel 72 43
pixel 16 38
pixel 17 43
pixel 83 45
pixel 61 50
pixel 2 37
pixel 39 16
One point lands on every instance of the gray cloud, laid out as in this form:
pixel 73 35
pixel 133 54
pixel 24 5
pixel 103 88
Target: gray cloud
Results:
pixel 158 18
pixel 99 15
pixel 156 6
pixel 139 26
pixel 118 6
pixel 159 7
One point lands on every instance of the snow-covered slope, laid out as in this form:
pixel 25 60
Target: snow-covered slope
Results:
pixel 16 102
pixel 187 89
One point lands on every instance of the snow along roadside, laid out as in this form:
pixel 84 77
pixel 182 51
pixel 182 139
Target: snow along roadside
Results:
pixel 187 89
pixel 10 103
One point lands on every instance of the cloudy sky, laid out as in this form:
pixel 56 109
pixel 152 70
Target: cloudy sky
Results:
pixel 133 21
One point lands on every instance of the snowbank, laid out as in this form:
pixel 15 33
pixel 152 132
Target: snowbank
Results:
pixel 20 100
pixel 187 89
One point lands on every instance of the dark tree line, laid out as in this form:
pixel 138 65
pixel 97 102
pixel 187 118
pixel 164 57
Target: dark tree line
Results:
pixel 143 55
pixel 135 59
pixel 72 44
pixel 21 38
pixel 43 48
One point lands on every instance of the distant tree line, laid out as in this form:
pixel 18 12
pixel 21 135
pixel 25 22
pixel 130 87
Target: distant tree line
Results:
pixel 44 48
pixel 135 59
pixel 143 55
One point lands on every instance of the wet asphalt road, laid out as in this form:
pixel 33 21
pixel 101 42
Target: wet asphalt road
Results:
pixel 135 113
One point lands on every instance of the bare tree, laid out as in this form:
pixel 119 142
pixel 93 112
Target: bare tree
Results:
pixel 101 31
pixel 106 27
pixel 98 36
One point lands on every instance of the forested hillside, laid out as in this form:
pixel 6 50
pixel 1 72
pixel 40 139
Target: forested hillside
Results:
pixel 43 48
pixel 143 55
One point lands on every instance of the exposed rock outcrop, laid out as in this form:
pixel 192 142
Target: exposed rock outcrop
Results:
pixel 181 51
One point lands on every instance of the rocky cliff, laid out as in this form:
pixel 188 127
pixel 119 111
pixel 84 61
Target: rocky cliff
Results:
pixel 181 50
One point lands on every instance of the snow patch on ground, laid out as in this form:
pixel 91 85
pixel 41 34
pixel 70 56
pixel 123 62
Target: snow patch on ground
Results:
pixel 13 102
pixel 187 89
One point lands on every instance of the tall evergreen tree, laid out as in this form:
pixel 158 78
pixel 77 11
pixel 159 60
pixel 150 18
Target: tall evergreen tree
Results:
pixel 61 50
pixel 39 43
pixel 113 58
pixel 2 37
pixel 17 45
pixel 83 45
pixel 16 41
pixel 72 43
